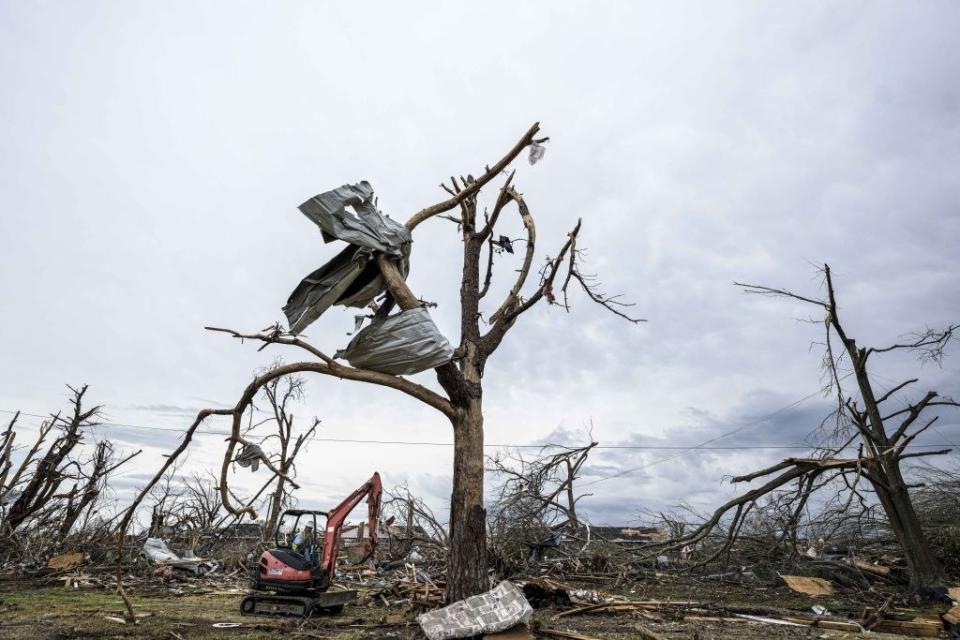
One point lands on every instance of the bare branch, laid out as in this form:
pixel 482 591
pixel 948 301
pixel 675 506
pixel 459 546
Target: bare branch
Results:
pixel 477 184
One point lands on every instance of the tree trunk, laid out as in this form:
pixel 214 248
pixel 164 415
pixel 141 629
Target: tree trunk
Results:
pixel 276 501
pixel 924 567
pixel 467 566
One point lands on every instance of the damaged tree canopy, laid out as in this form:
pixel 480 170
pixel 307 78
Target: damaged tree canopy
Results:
pixel 351 278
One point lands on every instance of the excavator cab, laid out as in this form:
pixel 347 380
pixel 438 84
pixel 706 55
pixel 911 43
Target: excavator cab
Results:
pixel 294 564
pixel 297 530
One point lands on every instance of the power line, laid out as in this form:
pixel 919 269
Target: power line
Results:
pixel 704 444
pixel 425 443
pixel 450 444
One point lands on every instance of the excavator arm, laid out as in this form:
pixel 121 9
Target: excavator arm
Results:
pixel 372 489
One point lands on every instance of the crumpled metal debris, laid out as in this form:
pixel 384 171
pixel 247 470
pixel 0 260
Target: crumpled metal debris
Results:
pixel 351 278
pixel 157 551
pixel 249 456
pixel 496 610
pixel 401 344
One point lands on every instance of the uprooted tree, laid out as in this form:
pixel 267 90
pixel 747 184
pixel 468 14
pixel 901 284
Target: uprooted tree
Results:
pixel 862 419
pixel 460 398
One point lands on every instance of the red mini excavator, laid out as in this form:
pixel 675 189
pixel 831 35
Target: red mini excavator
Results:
pixel 292 579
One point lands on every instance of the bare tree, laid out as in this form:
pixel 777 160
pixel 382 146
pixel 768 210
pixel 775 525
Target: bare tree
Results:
pixel 481 333
pixel 536 496
pixel 164 499
pixel 862 418
pixel 412 525
pixel 54 486
pixel 90 481
pixel 280 393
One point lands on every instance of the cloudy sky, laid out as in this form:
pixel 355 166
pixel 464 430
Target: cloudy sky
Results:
pixel 152 158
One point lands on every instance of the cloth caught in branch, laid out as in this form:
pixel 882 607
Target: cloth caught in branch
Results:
pixel 402 344
pixel 249 456
pixel 536 153
pixel 351 278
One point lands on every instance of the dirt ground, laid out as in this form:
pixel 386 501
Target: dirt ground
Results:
pixel 52 612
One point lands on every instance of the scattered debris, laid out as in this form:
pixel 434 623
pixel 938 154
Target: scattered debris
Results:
pixel 157 551
pixel 544 592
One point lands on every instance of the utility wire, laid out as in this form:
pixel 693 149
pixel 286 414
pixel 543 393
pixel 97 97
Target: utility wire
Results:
pixel 422 443
pixel 707 445
pixel 704 444
pixel 450 444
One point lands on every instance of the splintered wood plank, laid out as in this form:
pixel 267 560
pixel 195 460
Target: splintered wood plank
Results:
pixel 912 628
pixel 810 586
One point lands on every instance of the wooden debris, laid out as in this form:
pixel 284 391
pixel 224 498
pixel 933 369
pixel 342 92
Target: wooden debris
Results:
pixel 544 592
pixel 703 618
pixel 810 586
pixel 834 625
pixel 579 610
pixel 915 628
pixel 953 616
pixel 646 634
pixel 786 623
pixel 519 632
pixel 65 560
pixel 567 635
pixel 875 569
pixel 871 617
